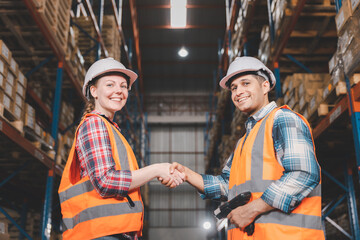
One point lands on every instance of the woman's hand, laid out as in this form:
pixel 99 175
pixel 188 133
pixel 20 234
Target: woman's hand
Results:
pixel 169 176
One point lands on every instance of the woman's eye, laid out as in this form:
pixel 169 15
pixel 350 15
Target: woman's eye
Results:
pixel 109 85
pixel 123 86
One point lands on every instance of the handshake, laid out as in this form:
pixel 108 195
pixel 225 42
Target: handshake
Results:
pixel 171 175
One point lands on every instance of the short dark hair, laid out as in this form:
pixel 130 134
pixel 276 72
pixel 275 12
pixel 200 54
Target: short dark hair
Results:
pixel 253 73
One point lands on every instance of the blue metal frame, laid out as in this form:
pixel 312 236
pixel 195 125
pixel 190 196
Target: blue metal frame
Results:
pixel 298 63
pixel 22 231
pixel 351 202
pixel 42 63
pixel 100 23
pixel 82 30
pixel 278 92
pixel 46 220
pixel 24 211
pixel 271 22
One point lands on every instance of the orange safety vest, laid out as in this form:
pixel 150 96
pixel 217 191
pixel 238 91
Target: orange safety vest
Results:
pixel 86 215
pixel 253 169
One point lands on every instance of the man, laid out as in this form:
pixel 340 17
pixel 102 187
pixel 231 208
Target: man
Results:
pixel 275 161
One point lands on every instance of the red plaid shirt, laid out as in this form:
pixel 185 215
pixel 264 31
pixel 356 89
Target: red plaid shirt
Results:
pixel 93 150
pixel 96 161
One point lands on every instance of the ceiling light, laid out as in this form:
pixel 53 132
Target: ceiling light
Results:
pixel 178 13
pixel 183 52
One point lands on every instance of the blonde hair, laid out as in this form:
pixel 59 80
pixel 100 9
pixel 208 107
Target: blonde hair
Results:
pixel 89 106
pixel 90 103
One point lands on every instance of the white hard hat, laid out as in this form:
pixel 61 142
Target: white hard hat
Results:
pixel 106 65
pixel 248 64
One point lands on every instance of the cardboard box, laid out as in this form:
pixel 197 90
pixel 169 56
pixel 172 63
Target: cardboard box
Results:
pixel 14 67
pixel 343 15
pixel 22 79
pixel 3 67
pixel 29 110
pixel 10 78
pixel 19 101
pixel 351 56
pixel 333 62
pixel 5 52
pixel 20 89
pixel 17 111
pixel 355 79
pixel 354 5
pixel 6 100
pixel 9 90
pixel 2 81
pixel 29 121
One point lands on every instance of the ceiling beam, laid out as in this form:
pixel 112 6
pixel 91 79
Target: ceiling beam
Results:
pixel 143 6
pixel 172 62
pixel 168 26
pixel 134 19
pixel 177 45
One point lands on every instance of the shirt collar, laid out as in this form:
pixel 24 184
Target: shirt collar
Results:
pixel 252 120
pixel 103 115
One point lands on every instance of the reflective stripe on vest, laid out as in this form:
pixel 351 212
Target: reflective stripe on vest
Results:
pixel 304 218
pixel 102 211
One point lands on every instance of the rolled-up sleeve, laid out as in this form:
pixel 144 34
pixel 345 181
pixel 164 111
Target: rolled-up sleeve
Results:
pixel 96 161
pixel 217 187
pixel 295 152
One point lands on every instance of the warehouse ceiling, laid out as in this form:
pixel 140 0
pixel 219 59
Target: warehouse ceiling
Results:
pixel 163 69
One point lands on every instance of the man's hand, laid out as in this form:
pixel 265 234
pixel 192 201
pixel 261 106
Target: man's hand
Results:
pixel 172 178
pixel 244 215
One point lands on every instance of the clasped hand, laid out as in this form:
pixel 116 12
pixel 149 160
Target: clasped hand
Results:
pixel 172 175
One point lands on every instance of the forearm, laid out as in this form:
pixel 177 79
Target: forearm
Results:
pixel 144 175
pixel 194 179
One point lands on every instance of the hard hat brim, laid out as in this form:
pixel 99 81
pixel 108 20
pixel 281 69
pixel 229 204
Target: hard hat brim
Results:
pixel 132 77
pixel 224 80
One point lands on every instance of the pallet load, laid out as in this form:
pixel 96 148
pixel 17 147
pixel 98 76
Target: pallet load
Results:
pixel 281 11
pixel 56 14
pixel 303 92
pixel 83 42
pixel 111 37
pixel 264 47
pixel 12 89
pixel 4 232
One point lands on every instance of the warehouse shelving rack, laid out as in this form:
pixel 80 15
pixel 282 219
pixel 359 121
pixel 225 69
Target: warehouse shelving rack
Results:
pixel 348 104
pixel 12 134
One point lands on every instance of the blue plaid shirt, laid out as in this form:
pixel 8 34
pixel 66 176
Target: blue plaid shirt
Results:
pixel 294 151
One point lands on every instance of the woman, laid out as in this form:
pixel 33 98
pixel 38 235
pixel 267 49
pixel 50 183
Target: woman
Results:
pixel 100 187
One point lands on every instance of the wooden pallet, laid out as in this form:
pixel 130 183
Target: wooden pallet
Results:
pixel 39 143
pixel 7 115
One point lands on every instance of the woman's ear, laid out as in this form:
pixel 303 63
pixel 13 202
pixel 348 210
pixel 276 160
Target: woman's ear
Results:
pixel 93 91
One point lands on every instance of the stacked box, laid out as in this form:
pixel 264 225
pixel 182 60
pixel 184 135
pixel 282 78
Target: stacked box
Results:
pixel 56 13
pixel 67 114
pixel 280 9
pixel 343 16
pixel 111 37
pixel 4 232
pixel 350 42
pixel 20 94
pixel 83 41
pixel 64 146
pixel 264 47
pixel 354 5
pixel 5 52
pixel 29 116
pixel 309 87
